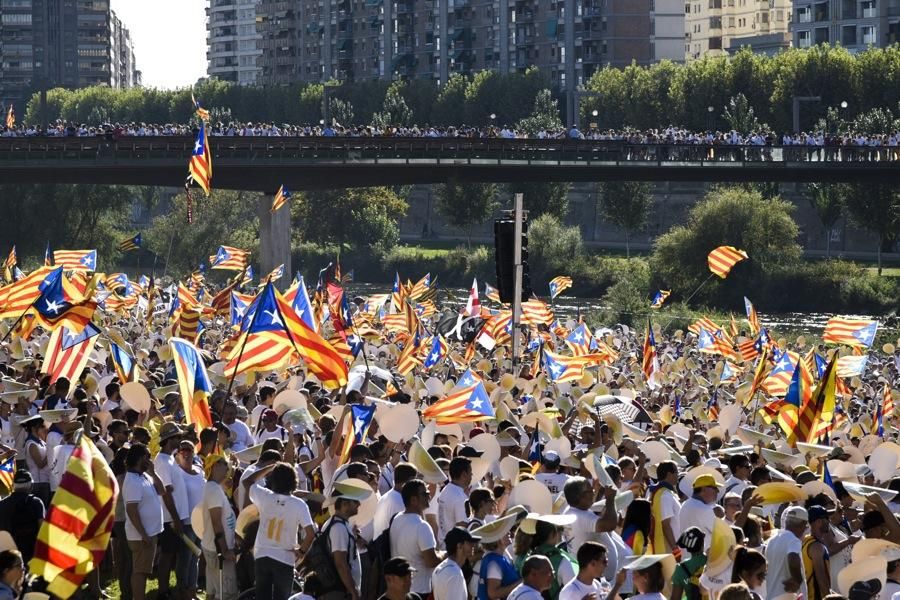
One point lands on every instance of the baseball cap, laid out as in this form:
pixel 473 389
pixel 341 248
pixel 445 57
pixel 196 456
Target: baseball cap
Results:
pixel 398 566
pixel 469 452
pixel 268 414
pixel 706 481
pixel 459 535
pixel 550 458
pixel 817 512
pixel 798 513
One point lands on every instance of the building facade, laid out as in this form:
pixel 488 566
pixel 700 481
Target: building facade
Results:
pixel 357 40
pixel 233 42
pixel 712 27
pixel 62 43
pixel 854 24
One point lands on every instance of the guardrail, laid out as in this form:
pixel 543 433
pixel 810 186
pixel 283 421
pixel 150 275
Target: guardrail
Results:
pixel 456 150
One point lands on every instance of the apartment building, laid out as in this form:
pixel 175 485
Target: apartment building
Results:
pixel 233 42
pixel 711 27
pixel 854 24
pixel 355 40
pixel 67 43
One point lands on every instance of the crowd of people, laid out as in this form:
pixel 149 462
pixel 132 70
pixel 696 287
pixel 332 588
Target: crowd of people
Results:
pixel 599 487
pixel 672 143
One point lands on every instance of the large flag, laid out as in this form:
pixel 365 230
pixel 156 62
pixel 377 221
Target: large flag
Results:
pixel 851 365
pixel 659 298
pixel 228 258
pixel 465 405
pixel 68 352
pixel 358 422
pixel 281 197
pixel 18 297
pixel 649 359
pixel 75 260
pixel 752 317
pixel 580 340
pixel 11 117
pixel 852 332
pixel 473 306
pixel 74 536
pixel 193 382
pixel 273 334
pixel 779 379
pixel 722 259
pixel 200 166
pixel 409 358
pixel 132 243
pixel 558 285
pixel 60 304
pixel 563 368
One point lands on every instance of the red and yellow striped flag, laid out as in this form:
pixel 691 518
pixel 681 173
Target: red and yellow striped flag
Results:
pixel 887 403
pixel 17 297
pixel 722 260
pixel 74 537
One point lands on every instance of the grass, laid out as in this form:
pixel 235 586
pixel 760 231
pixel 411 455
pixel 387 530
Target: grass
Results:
pixel 885 272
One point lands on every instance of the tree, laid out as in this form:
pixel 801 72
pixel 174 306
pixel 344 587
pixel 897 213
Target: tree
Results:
pixel 739 115
pixel 542 197
pixel 394 111
pixel 876 207
pixel 356 218
pixel 553 247
pixel 827 199
pixel 341 111
pixel 545 115
pixel 627 205
pixel 465 205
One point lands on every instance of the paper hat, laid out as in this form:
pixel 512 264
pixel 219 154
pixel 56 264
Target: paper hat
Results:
pixel 534 495
pixel 289 400
pixel 884 461
pixel 686 485
pixel 349 489
pixel 871 547
pixel 751 436
pixel 488 445
pixel 509 469
pixel 865 570
pixel 495 530
pixel 161 392
pixel 720 548
pixel 815 450
pixel 779 492
pixel 426 466
pixel 398 423
pixel 135 396
pixel 197 520
pixel 818 487
pixel 644 561
pixel 7 542
pixel 367 506
pixel 859 491
pixel 14 396
pixel 529 523
pixel 251 454
pixel 58 415
pixel 781 458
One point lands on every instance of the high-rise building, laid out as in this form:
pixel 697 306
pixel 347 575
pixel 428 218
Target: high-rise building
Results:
pixel 61 43
pixel 356 40
pixel 854 24
pixel 233 41
pixel 711 27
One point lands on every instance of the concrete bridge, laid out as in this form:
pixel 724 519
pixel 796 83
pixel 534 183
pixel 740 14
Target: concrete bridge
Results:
pixel 264 163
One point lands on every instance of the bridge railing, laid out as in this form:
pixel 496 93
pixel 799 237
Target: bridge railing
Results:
pixel 465 150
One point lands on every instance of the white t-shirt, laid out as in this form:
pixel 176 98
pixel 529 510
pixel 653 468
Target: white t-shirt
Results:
pixel 241 490
pixel 777 551
pixel 670 508
pixel 525 592
pixel 448 581
pixel 388 505
pixel 341 540
pixel 696 513
pixel 651 596
pixel 582 530
pixel 575 590
pixel 555 482
pixel 194 483
pixel 890 588
pixel 278 434
pixel 280 518
pixel 38 474
pixel 138 489
pixel 214 497
pixel 410 536
pixel 451 509
pixel 243 439
pixel 172 476
pixel 58 463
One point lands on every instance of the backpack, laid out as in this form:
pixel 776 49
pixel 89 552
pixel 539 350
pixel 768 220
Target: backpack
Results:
pixel 320 560
pixel 380 553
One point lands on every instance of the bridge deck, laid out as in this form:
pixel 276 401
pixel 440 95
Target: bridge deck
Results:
pixel 264 163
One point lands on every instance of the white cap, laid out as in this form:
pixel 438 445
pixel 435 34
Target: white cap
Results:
pixel 798 513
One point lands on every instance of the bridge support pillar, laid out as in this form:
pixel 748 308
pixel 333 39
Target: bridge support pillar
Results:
pixel 275 239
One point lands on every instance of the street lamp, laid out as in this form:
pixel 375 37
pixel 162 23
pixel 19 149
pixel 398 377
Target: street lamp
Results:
pixel 595 112
pixel 844 104
pixel 493 118
pixel 709 117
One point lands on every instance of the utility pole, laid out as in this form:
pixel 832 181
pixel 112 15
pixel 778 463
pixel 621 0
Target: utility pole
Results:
pixel 517 296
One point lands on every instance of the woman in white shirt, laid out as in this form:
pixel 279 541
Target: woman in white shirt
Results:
pixel 651 575
pixel 36 456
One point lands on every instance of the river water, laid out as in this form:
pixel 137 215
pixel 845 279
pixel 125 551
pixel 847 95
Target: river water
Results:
pixel 569 306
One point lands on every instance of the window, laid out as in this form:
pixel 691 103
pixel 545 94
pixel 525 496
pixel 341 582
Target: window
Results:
pixel 869 35
pixel 730 22
pixel 16 19
pixel 848 35
pixel 869 9
pixel 804 14
pixel 804 39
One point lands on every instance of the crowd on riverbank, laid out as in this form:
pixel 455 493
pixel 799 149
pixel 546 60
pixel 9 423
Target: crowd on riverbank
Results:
pixel 318 444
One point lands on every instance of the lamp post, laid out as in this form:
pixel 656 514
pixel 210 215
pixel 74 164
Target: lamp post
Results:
pixel 493 119
pixel 594 114
pixel 709 117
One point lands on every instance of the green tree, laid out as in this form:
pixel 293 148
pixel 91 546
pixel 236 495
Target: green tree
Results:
pixel 542 197
pixel 394 111
pixel 465 205
pixel 553 248
pixel 449 107
pixel 876 207
pixel 627 205
pixel 545 115
pixel 827 199
pixel 727 216
pixel 341 111
pixel 739 115
pixel 364 219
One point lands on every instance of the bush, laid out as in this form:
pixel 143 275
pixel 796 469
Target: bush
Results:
pixel 626 300
pixel 830 286
pixel 553 248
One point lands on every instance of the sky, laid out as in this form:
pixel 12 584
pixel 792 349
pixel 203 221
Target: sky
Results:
pixel 169 39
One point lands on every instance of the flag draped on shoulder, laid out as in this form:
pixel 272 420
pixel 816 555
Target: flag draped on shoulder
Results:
pixel 281 198
pixel 193 382
pixel 73 538
pixel 200 165
pixel 722 260
pixel 464 405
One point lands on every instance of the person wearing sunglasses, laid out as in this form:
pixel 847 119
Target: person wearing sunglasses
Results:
pixel 750 568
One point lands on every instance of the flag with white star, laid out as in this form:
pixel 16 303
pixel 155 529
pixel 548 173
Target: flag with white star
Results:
pixel 60 304
pixel 358 420
pixel 466 405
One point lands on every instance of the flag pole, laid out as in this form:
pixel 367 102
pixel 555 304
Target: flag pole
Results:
pixel 699 287
pixel 169 254
pixel 19 320
pixel 243 345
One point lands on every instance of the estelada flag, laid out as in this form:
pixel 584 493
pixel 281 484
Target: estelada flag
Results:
pixel 722 259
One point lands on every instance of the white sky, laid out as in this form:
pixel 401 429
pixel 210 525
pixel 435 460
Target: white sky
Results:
pixel 169 39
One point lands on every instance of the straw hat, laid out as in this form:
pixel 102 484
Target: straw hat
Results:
pixel 529 523
pixel 135 396
pixel 168 430
pixel 862 571
pixel 495 530
pixel 58 415
pixel 349 489
pixel 426 466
